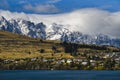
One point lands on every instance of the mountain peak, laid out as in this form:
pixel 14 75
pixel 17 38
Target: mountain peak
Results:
pixel 2 18
pixel 54 32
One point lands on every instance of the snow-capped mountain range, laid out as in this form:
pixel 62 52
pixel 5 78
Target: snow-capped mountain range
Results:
pixel 54 32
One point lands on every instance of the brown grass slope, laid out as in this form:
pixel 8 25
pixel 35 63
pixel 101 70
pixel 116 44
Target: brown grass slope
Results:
pixel 14 46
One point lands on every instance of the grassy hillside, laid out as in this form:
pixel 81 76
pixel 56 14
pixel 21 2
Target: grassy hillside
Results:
pixel 26 53
pixel 19 46
pixel 14 46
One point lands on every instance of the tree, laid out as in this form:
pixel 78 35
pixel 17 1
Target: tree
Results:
pixel 0 50
pixel 109 64
pixel 42 50
pixel 71 48
pixel 54 48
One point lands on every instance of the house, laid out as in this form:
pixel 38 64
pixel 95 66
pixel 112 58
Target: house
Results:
pixel 117 59
pixel 93 63
pixel 60 61
pixel 6 61
pixel 77 60
pixel 84 63
pixel 33 59
pixel 63 61
pixel 16 62
pixel 106 56
pixel 45 60
pixel 68 61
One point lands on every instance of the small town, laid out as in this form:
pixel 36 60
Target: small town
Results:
pixel 99 61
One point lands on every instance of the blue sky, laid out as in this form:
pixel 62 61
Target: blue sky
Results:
pixel 57 6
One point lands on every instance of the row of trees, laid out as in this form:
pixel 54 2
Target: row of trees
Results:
pixel 70 48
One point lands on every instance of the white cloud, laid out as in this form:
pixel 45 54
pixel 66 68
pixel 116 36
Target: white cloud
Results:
pixel 46 8
pixel 22 1
pixel 54 1
pixel 88 21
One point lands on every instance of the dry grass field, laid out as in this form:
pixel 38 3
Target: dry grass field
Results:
pixel 14 46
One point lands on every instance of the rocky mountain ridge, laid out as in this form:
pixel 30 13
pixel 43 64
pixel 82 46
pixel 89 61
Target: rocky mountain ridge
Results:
pixel 54 32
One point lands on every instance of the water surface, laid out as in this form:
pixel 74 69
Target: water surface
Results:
pixel 59 75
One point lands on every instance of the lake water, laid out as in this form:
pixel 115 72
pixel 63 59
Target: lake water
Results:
pixel 59 75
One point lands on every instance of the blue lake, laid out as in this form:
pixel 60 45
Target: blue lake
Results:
pixel 59 75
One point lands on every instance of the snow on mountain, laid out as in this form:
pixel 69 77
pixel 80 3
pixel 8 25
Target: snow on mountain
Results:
pixel 87 21
pixel 23 27
pixel 54 32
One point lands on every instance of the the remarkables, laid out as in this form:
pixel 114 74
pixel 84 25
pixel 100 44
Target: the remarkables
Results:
pixel 54 32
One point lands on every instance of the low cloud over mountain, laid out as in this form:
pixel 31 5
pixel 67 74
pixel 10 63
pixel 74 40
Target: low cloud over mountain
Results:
pixel 55 32
pixel 89 20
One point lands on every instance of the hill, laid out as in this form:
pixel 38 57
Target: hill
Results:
pixel 20 46
pixel 22 52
